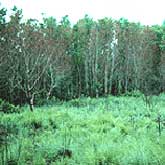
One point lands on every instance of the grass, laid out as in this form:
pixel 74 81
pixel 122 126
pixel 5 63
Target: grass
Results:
pixel 105 131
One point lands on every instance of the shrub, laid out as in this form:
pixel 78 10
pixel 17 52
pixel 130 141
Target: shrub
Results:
pixel 135 93
pixel 77 103
pixel 44 102
pixel 6 107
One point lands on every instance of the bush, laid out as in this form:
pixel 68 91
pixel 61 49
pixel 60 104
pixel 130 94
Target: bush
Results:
pixel 135 93
pixel 6 107
pixel 78 102
pixel 44 102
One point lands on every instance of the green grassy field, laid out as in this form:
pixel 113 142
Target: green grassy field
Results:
pixel 106 131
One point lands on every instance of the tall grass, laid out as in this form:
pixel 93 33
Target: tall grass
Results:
pixel 113 130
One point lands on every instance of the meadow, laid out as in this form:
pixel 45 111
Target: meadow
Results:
pixel 116 130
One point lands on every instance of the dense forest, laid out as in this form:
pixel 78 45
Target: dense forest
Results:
pixel 41 60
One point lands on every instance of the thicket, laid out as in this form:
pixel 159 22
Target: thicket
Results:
pixel 6 107
pixel 41 60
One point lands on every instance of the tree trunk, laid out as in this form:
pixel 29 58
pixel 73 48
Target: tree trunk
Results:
pixel 31 101
pixel 96 67
pixel 106 78
pixel 31 105
pixel 79 81
pixel 113 56
pixel 86 76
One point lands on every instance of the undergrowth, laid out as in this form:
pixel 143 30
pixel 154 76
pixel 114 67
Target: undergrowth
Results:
pixel 105 131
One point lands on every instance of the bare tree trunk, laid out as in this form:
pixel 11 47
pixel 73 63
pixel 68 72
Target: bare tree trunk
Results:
pixel 79 81
pixel 86 75
pixel 49 93
pixel 31 101
pixel 96 66
pixel 126 77
pixel 106 77
pixel 112 72
pixel 52 83
pixel 136 85
pixel 31 104
pixel 113 54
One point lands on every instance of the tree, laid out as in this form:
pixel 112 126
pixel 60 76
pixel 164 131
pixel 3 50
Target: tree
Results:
pixel 92 58
pixel 59 66
pixel 162 62
pixel 10 53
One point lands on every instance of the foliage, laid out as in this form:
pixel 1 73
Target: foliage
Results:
pixel 124 133
pixel 136 93
pixel 42 60
pixel 6 107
